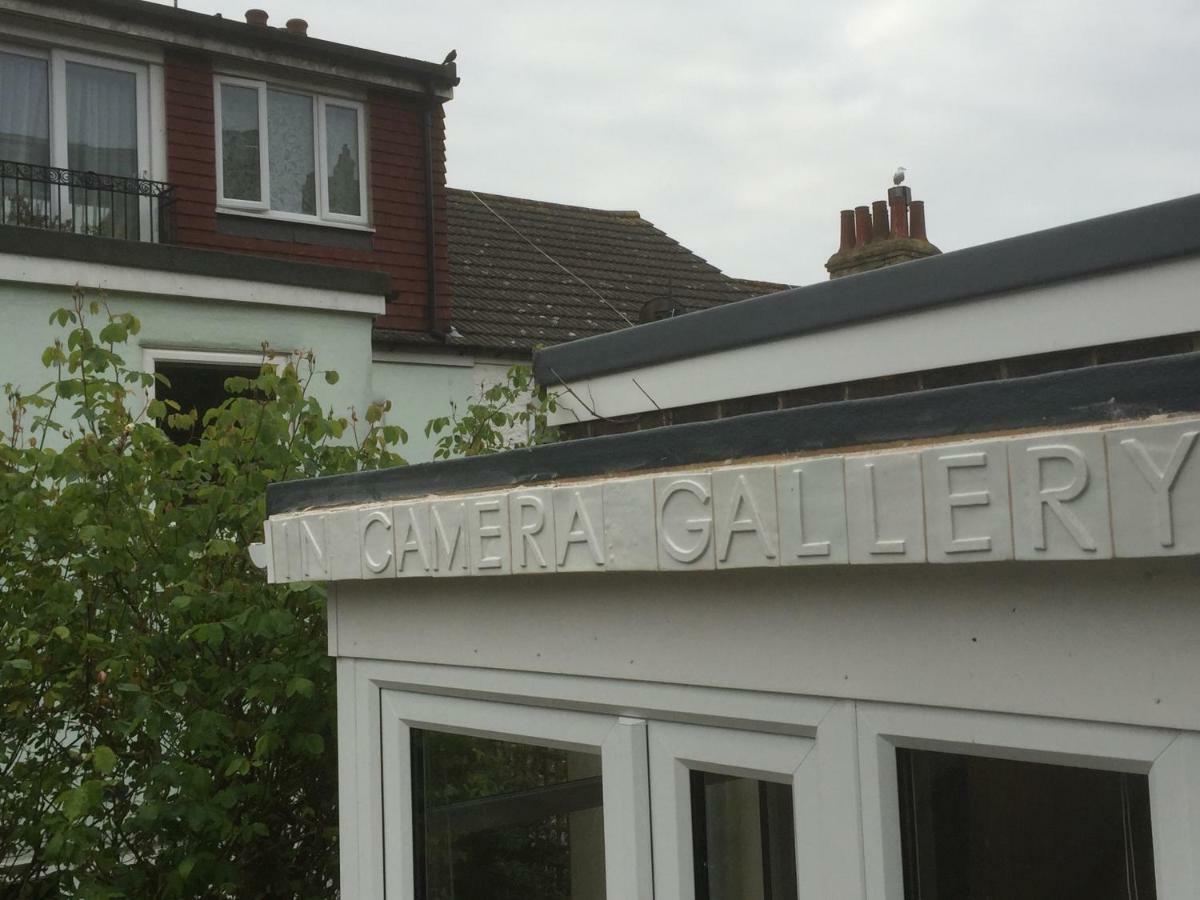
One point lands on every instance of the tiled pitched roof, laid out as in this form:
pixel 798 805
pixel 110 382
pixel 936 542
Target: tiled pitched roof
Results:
pixel 509 296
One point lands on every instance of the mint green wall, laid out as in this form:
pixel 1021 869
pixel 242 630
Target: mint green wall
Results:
pixel 341 341
pixel 419 387
pixel 420 392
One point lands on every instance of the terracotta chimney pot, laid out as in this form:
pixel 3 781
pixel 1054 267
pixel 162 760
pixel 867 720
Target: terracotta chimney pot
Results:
pixel 862 225
pixel 899 218
pixel 847 242
pixel 297 26
pixel 916 219
pixel 257 17
pixel 879 220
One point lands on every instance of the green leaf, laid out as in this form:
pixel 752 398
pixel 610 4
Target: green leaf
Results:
pixel 104 760
pixel 331 377
pixel 299 685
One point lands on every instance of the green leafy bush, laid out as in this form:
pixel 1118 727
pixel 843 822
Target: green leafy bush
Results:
pixel 166 717
pixel 505 415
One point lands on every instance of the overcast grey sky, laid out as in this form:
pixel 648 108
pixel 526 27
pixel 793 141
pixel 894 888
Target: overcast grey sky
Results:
pixel 741 127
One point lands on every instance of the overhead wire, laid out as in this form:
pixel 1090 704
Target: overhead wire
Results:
pixel 522 236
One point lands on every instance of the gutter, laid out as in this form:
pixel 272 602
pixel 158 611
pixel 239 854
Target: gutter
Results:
pixel 431 284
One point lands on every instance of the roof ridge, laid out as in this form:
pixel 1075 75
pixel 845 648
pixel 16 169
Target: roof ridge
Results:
pixel 467 192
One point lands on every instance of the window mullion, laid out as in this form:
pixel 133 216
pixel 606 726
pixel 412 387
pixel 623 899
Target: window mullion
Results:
pixel 264 147
pixel 319 161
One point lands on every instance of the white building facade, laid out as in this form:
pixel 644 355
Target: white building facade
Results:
pixel 936 644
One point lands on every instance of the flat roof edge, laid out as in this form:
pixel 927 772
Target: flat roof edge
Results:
pixel 235 32
pixel 22 241
pixel 1109 393
pixel 1118 241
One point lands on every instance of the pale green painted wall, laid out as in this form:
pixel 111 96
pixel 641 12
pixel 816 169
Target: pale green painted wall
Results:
pixel 420 392
pixel 341 341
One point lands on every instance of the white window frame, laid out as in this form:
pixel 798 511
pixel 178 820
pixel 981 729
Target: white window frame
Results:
pixel 151 356
pixel 262 208
pixel 677 750
pixel 323 103
pixel 56 72
pixel 1170 758
pixel 56 59
pixel 264 175
pixel 620 741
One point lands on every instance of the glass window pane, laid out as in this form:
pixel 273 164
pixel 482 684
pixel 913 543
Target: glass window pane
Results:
pixel 342 154
pixel 979 827
pixel 101 120
pixel 743 838
pixel 496 820
pixel 24 109
pixel 240 142
pixel 291 157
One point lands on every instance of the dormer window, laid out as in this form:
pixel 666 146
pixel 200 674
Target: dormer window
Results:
pixel 288 154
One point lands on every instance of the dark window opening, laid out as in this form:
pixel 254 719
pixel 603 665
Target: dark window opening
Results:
pixel 497 820
pixel 196 386
pixel 974 827
pixel 743 838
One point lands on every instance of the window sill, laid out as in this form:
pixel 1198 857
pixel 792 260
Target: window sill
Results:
pixel 293 219
pixel 293 231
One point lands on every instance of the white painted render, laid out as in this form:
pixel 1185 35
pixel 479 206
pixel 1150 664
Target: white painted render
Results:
pixel 1129 490
pixel 38 270
pixel 1091 665
pixel 1146 302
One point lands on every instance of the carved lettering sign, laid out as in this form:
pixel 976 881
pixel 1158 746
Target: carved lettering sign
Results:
pixel 1126 491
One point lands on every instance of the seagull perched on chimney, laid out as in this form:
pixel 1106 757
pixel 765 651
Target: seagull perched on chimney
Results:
pixel 450 57
pixel 898 175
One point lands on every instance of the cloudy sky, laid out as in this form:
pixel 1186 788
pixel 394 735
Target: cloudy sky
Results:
pixel 741 127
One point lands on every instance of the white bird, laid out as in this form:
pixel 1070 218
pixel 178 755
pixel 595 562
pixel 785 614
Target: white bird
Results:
pixel 898 175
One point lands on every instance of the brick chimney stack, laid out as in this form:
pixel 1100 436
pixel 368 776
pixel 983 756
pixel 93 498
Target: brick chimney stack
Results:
pixel 886 233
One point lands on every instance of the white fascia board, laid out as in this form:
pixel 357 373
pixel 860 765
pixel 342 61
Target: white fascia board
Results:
pixel 1152 301
pixel 179 285
pixel 422 358
pixel 243 53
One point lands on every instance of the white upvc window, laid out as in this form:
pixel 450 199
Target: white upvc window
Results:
pixel 285 153
pixel 74 110
pixel 79 111
pixel 553 802
pixel 990 797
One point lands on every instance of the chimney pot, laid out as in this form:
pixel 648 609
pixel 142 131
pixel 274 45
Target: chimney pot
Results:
pixel 297 26
pixel 862 225
pixel 899 217
pixel 847 242
pixel 257 17
pixel 916 221
pixel 879 220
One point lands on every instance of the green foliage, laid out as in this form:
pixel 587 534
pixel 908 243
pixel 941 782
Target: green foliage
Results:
pixel 166 717
pixel 509 414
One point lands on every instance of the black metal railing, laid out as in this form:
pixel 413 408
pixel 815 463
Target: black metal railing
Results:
pixel 53 199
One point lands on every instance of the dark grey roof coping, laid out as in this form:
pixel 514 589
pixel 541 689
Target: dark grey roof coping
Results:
pixel 1099 394
pixel 1131 238
pixel 235 31
pixel 191 261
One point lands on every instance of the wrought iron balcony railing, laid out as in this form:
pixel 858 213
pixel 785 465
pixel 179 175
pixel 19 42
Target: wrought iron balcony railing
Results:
pixel 54 199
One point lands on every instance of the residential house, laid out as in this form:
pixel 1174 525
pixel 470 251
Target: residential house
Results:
pixel 235 183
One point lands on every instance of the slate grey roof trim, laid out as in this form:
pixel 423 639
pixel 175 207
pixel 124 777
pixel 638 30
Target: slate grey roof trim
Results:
pixel 1118 241
pixel 169 258
pixel 1097 394
pixel 184 21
